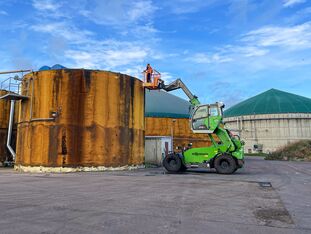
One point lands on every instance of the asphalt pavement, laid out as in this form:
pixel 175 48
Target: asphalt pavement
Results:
pixel 263 197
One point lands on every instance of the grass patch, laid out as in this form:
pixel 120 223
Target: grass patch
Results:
pixel 296 151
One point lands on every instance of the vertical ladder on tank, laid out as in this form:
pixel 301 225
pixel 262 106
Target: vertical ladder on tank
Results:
pixel 12 86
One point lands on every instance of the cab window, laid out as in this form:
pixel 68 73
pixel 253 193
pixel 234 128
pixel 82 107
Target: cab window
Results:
pixel 214 111
pixel 201 112
pixel 199 117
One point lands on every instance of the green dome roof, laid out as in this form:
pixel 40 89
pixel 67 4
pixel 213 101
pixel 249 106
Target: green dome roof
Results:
pixel 272 101
pixel 163 104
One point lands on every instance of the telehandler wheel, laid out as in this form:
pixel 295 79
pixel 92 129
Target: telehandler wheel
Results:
pixel 225 164
pixel 183 168
pixel 172 163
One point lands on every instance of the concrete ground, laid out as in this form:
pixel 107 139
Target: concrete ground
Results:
pixel 150 201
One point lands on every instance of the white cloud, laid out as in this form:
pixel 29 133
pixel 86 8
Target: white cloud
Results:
pixel 146 30
pixel 120 12
pixel 293 37
pixel 249 51
pixel 289 3
pixel 189 6
pixel 135 71
pixel 64 30
pixel 266 47
pixel 226 54
pixel 124 55
pixel 87 51
pixel 54 9
pixel 46 5
pixel 141 10
pixel 202 58
pixel 2 12
pixel 105 57
pixel 82 59
pixel 84 48
pixel 167 77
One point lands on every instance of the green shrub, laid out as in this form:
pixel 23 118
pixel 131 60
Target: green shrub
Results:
pixel 296 151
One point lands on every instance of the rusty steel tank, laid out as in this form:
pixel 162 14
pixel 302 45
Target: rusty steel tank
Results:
pixel 76 120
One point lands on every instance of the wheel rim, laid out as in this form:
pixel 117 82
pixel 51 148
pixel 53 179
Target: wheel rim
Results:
pixel 172 163
pixel 225 164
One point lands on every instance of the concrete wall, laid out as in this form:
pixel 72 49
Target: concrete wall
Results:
pixel 271 131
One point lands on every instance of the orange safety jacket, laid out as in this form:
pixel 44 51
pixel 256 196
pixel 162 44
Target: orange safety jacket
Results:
pixel 149 70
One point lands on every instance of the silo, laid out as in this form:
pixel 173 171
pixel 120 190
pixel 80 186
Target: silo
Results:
pixel 76 119
pixel 270 120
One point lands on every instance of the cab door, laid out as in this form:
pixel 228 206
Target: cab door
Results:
pixel 199 119
pixel 214 117
pixel 205 119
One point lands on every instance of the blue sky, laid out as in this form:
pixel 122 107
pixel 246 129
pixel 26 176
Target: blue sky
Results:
pixel 224 50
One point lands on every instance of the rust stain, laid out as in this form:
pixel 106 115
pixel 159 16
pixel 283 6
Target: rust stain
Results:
pixel 101 122
pixel 52 150
pixel 64 144
pixel 87 78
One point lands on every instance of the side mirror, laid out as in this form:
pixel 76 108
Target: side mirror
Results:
pixel 190 144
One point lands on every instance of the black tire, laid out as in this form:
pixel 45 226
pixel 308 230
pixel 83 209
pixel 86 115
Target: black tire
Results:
pixel 183 168
pixel 172 163
pixel 225 164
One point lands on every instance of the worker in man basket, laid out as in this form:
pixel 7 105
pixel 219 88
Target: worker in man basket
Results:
pixel 149 72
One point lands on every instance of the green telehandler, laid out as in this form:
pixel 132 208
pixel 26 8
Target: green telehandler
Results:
pixel 226 154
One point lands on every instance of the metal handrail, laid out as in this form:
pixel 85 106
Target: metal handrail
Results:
pixel 154 74
pixel 13 83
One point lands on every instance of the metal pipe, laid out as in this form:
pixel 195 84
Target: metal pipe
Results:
pixel 32 92
pixel 10 129
pixel 172 134
pixel 42 119
pixel 37 120
pixel 15 71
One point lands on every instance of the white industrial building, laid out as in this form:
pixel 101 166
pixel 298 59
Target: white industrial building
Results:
pixel 270 120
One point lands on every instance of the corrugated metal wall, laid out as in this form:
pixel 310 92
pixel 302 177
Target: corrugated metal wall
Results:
pixel 100 119
pixel 180 128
